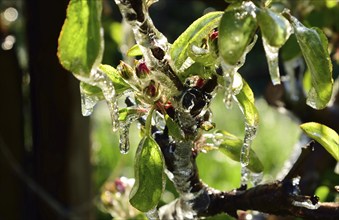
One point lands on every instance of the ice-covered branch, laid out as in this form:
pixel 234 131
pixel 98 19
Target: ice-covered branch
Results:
pixel 153 44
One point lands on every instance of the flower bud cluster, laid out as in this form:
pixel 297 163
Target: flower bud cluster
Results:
pixel 140 79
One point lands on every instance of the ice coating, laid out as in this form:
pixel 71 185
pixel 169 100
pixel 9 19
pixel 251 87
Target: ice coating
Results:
pixel 272 60
pixel 87 102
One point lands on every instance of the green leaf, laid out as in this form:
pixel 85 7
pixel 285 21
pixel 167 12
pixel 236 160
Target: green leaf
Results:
pixel 134 51
pixel 237 28
pixel 324 135
pixel 125 112
pixel 91 90
pixel 81 41
pixel 231 147
pixel 173 128
pixel 245 99
pixel 149 175
pixel 198 30
pixel 314 47
pixel 119 84
pixel 274 27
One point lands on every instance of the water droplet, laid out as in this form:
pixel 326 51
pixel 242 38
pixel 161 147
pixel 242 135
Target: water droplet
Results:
pixel 272 60
pixel 87 103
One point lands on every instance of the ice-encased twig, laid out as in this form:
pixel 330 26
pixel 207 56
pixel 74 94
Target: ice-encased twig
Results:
pixel 153 44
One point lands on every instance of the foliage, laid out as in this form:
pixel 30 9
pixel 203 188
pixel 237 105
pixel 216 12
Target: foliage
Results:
pixel 169 90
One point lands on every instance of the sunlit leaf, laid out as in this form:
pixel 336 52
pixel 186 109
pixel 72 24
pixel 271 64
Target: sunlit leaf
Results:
pixel 198 30
pixel 149 175
pixel 231 146
pixel 173 128
pixel 119 84
pixel 274 27
pixel 134 51
pixel 236 30
pixel 81 41
pixel 314 47
pixel 245 99
pixel 324 135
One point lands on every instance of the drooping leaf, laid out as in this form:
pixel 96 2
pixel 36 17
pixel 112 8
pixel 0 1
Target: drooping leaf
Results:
pixel 119 84
pixel 236 30
pixel 314 47
pixel 274 27
pixel 245 99
pixel 231 146
pixel 173 128
pixel 198 30
pixel 134 51
pixel 324 135
pixel 149 175
pixel 81 41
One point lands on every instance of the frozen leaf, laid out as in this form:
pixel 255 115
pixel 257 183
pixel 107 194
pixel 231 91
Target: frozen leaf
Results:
pixel 198 30
pixel 236 30
pixel 274 27
pixel 149 175
pixel 134 51
pixel 125 112
pixel 119 84
pixel 231 146
pixel 314 47
pixel 81 41
pixel 245 99
pixel 324 135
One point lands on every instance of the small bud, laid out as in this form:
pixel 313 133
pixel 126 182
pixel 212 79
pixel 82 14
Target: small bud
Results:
pixel 141 70
pixel 125 70
pixel 151 90
pixel 213 35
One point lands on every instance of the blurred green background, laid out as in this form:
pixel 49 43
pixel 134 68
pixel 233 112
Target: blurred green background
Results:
pixel 55 164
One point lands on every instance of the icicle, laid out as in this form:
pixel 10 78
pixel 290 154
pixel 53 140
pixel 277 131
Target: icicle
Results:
pixel 124 126
pixel 230 71
pixel 87 103
pixel 290 67
pixel 250 132
pixel 124 138
pixel 306 204
pixel 272 60
pixel 106 85
pixel 152 214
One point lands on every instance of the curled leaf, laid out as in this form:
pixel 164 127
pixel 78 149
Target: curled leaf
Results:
pixel 149 175
pixel 314 47
pixel 324 135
